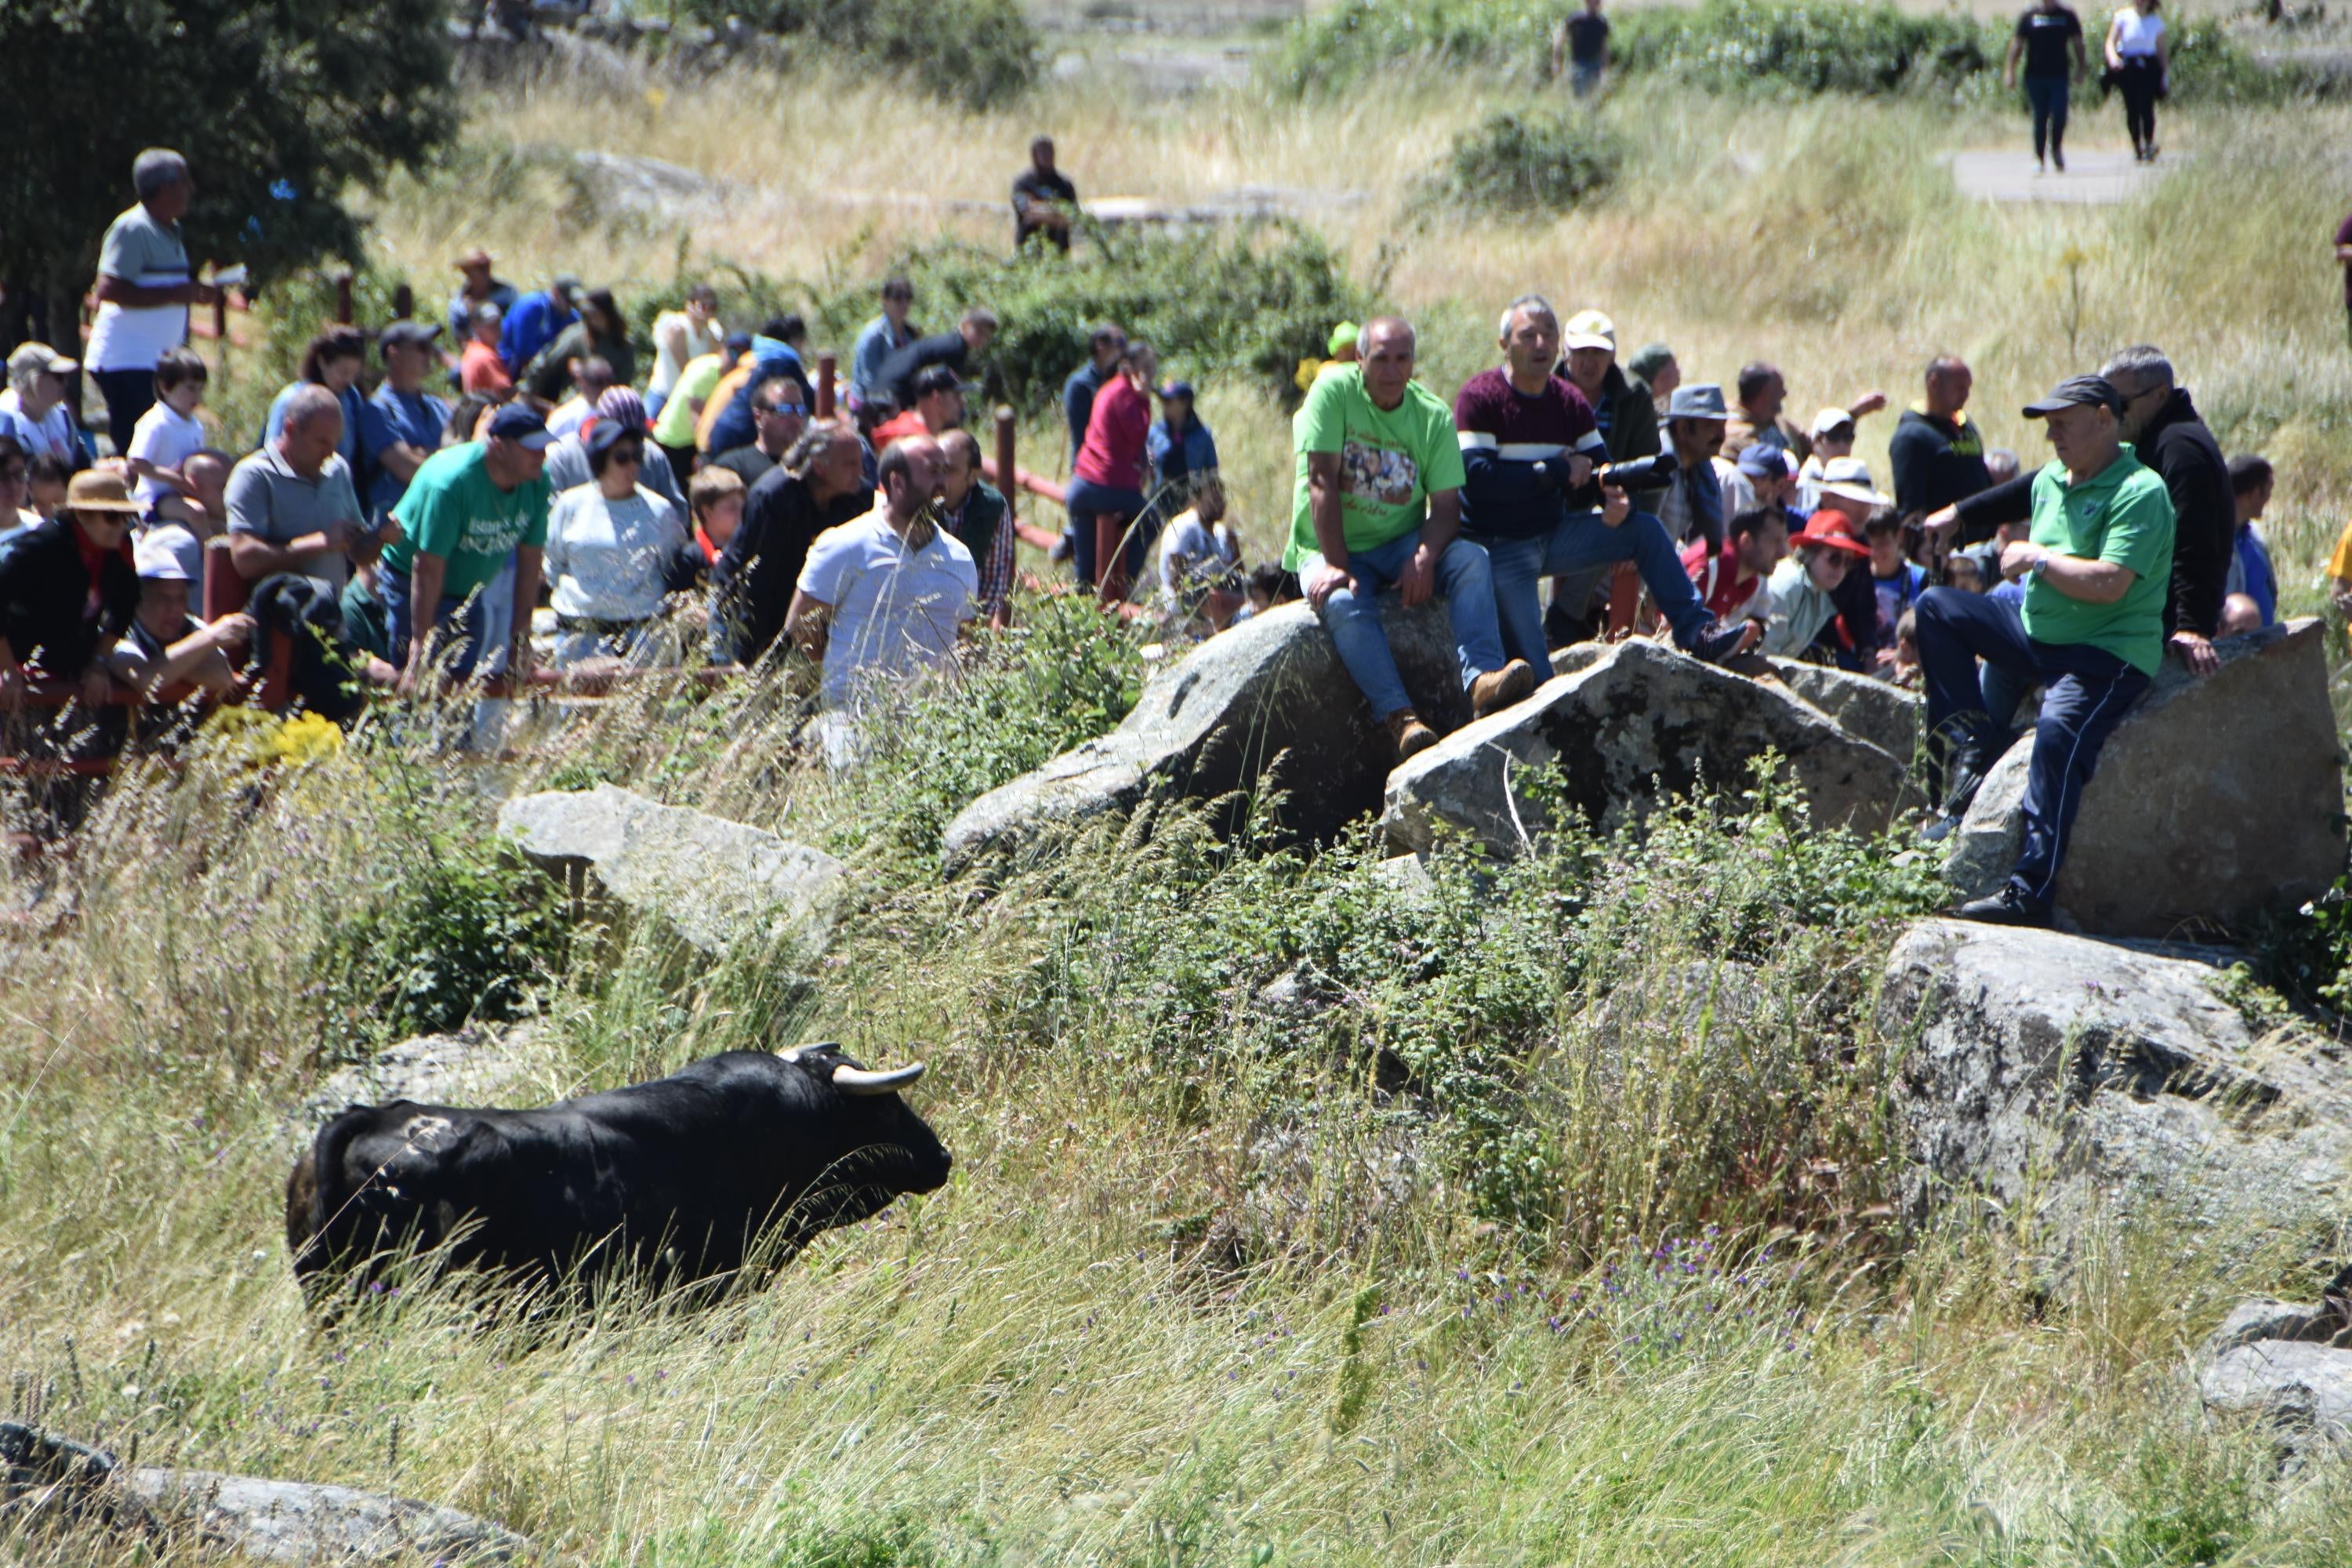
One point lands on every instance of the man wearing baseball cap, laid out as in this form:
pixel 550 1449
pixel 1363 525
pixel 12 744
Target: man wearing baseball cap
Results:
pixel 468 508
pixel 401 423
pixel 34 407
pixel 164 645
pixel 2097 567
pixel 478 288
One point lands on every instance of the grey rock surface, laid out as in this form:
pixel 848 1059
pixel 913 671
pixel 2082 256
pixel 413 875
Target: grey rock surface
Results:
pixel 1881 712
pixel 715 882
pixel 1267 704
pixel 2302 1386
pixel 2067 1078
pixel 2214 799
pixel 1630 728
pixel 478 1066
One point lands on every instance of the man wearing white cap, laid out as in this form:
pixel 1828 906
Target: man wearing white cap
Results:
pixel 166 645
pixel 1832 433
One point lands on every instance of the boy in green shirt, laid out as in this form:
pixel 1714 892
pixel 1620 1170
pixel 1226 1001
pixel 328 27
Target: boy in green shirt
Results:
pixel 468 509
pixel 2097 565
pixel 1379 500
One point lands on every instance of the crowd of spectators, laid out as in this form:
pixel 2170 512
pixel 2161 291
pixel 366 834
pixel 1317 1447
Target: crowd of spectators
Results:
pixel 427 500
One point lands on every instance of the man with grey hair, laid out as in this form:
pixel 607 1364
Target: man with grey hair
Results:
pixel 1530 449
pixel 144 288
pixel 1379 501
pixel 292 505
pixel 2161 425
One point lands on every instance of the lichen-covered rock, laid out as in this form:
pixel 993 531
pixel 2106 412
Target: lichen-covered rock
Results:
pixel 1632 727
pixel 1265 705
pixel 2067 1078
pixel 2215 799
pixel 713 881
pixel 1879 711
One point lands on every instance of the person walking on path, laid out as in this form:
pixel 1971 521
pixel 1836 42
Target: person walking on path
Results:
pixel 2090 628
pixel 2046 33
pixel 2139 62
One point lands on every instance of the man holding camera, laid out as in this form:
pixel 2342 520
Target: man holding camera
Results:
pixel 1530 455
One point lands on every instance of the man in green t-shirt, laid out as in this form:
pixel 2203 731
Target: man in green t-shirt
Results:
pixel 1379 501
pixel 2097 566
pixel 468 509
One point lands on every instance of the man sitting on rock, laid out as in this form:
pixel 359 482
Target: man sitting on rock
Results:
pixel 1379 500
pixel 1528 446
pixel 2097 569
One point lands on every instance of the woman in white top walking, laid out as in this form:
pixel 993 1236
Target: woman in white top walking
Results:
pixel 2139 63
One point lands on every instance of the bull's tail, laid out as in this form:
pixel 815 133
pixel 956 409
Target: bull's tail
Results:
pixel 315 1195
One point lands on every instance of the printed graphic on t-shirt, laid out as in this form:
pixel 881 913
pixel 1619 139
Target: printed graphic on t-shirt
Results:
pixel 1377 474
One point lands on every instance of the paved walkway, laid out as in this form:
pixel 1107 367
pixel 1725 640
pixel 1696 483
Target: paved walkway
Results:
pixel 2093 176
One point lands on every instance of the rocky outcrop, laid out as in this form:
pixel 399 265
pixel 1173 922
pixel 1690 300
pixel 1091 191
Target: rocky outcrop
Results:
pixel 477 1066
pixel 1879 711
pixel 53 1480
pixel 2064 1077
pixel 1265 705
pixel 2307 1388
pixel 714 882
pixel 2215 800
pixel 1630 728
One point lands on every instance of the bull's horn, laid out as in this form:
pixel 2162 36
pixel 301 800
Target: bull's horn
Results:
pixel 857 1080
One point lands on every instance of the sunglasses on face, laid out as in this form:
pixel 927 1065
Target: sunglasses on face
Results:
pixel 782 409
pixel 626 458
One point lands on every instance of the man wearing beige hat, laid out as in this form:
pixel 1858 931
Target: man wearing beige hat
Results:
pixel 68 589
pixel 478 285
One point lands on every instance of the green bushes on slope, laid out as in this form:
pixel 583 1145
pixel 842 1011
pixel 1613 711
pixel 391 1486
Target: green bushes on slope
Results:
pixel 978 53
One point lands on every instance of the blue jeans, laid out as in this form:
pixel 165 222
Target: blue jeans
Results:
pixel 1088 500
pixel 128 394
pixel 2047 96
pixel 1352 615
pixel 2089 690
pixel 460 628
pixel 1578 543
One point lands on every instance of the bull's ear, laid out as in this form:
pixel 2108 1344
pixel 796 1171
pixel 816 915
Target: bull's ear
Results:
pixel 817 1049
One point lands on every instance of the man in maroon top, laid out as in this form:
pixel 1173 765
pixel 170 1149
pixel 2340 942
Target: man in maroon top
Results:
pixel 2344 255
pixel 1730 581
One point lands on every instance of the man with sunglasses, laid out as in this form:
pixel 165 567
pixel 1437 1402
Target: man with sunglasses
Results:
pixel 779 413
pixel 2161 426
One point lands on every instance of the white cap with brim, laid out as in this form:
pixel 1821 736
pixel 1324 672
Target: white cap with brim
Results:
pixel 169 553
pixel 1850 477
pixel 1830 419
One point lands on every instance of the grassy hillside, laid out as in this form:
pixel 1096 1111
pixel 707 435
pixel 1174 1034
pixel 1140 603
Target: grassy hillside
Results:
pixel 1542 1220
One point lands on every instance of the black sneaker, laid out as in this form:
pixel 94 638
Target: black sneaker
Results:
pixel 1716 642
pixel 1964 773
pixel 2006 908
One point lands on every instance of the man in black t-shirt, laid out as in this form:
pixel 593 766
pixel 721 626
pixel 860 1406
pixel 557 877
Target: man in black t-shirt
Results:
pixel 2044 34
pixel 1043 200
pixel 1588 48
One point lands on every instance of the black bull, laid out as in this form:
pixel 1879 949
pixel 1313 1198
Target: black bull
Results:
pixel 741 1156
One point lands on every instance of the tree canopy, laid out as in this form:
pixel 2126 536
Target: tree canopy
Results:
pixel 278 107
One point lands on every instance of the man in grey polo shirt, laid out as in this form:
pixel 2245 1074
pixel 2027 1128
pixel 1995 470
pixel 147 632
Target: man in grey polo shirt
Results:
pixel 143 291
pixel 291 506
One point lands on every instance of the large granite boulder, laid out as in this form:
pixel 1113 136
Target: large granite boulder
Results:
pixel 519 1065
pixel 1880 712
pixel 2215 800
pixel 47 1479
pixel 1630 728
pixel 1268 704
pixel 2307 1388
pixel 2065 1078
pixel 713 881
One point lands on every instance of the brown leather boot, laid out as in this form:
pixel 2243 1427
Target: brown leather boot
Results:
pixel 1501 688
pixel 1409 733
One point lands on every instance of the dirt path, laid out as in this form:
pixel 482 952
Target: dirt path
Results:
pixel 2093 176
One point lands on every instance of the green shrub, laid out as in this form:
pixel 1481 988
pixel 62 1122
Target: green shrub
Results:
pixel 1535 162
pixel 1804 46
pixel 454 929
pixel 1260 297
pixel 978 53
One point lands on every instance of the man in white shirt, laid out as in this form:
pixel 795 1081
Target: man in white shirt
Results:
pixel 886 595
pixel 144 289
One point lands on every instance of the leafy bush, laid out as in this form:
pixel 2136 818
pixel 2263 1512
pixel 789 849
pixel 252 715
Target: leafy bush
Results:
pixel 978 53
pixel 1262 297
pixel 1537 162
pixel 1807 45
pixel 454 929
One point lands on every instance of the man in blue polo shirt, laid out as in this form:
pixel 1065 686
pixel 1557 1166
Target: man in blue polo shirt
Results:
pixel 2097 567
pixel 401 424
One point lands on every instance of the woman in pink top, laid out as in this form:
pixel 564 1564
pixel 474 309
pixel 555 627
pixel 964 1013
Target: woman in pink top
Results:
pixel 1107 487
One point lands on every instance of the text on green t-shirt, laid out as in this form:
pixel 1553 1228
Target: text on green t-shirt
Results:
pixel 453 511
pixel 1390 460
pixel 2122 514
